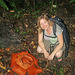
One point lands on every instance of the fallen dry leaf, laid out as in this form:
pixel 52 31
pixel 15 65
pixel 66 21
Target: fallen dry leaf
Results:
pixel 26 14
pixel 7 49
pixel 32 43
pixel 11 10
pixel 8 70
pixel 0 57
pixel 3 67
pixel 32 28
pixel 26 25
pixel 1 50
pixel 27 41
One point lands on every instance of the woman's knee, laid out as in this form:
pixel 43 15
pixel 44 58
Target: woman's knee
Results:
pixel 39 50
pixel 59 53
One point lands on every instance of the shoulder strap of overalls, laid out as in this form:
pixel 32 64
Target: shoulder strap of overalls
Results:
pixel 54 29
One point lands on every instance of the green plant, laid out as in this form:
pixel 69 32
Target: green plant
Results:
pixel 57 71
pixel 1 46
pixel 61 71
pixel 17 29
pixel 72 1
pixel 53 6
pixel 54 69
pixel 18 13
pixel 3 4
pixel 26 31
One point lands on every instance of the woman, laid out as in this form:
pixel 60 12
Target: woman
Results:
pixel 45 40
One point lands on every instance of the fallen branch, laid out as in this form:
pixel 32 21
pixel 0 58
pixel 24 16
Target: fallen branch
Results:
pixel 46 64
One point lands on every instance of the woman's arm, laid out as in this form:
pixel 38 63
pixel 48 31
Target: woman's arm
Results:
pixel 41 44
pixel 60 45
pixel 40 41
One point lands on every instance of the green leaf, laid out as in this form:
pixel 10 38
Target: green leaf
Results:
pixel 13 4
pixel 54 6
pixel 1 45
pixel 3 4
pixel 23 32
pixel 30 30
pixel 61 71
pixel 72 1
pixel 17 29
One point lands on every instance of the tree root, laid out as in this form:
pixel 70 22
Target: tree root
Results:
pixel 44 69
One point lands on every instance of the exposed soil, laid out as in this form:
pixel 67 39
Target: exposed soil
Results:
pixel 17 35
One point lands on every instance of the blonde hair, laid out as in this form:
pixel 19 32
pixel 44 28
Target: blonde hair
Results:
pixel 43 16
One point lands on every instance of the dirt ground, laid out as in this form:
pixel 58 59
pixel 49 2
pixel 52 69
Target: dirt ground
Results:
pixel 25 39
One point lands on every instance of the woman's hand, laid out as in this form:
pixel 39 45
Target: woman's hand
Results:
pixel 46 54
pixel 51 57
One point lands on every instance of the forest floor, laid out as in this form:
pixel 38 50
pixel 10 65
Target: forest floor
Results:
pixel 19 35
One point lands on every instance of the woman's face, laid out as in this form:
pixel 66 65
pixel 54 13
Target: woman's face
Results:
pixel 44 24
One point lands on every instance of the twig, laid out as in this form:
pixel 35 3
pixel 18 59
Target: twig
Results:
pixel 28 49
pixel 46 64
